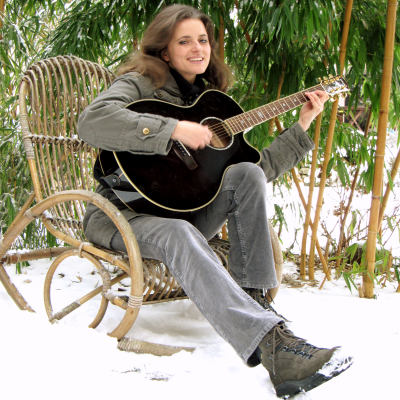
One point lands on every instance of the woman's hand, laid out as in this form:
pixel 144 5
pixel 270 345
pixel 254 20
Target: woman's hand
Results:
pixel 312 108
pixel 191 134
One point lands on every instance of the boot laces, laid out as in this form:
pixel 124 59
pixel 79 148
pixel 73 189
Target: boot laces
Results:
pixel 283 339
pixel 264 300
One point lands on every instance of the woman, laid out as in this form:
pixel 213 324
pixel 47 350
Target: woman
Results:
pixel 176 63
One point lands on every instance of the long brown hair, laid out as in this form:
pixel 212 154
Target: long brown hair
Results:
pixel 148 61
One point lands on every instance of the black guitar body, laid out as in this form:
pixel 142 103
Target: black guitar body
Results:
pixel 166 180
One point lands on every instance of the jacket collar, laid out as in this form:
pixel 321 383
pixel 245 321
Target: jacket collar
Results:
pixel 186 88
pixel 177 85
pixel 171 86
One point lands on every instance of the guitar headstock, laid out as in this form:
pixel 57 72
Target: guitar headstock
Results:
pixel 335 86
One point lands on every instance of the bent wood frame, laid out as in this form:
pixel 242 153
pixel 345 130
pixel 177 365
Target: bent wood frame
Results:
pixel 53 93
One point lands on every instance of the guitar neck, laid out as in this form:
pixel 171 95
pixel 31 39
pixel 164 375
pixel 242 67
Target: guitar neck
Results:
pixel 247 120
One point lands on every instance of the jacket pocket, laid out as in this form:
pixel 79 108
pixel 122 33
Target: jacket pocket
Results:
pixel 147 128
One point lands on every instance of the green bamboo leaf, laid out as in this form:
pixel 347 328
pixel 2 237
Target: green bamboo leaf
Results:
pixel 342 172
pixel 288 15
pixel 295 18
pixel 352 281
pixel 390 180
pixel 310 27
pixel 353 222
pixel 372 276
pixel 396 270
pixel 347 281
pixel 274 21
pixel 351 250
pixel 330 165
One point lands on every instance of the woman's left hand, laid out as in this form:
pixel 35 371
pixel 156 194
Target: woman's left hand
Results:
pixel 312 108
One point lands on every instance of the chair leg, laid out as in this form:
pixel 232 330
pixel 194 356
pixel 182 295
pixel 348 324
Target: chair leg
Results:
pixel 16 227
pixel 13 291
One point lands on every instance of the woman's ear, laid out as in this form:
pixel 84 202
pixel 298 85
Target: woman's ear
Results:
pixel 164 55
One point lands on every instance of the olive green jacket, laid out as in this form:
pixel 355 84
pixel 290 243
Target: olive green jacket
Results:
pixel 108 125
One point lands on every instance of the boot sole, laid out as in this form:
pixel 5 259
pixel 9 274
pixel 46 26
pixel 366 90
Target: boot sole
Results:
pixel 290 388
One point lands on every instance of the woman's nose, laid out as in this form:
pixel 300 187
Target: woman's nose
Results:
pixel 196 46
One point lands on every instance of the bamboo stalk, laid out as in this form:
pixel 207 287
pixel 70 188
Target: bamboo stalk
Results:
pixel 322 184
pixel 328 245
pixel 2 7
pixel 303 201
pixel 310 197
pixel 328 147
pixel 243 25
pixel 385 199
pixel 221 36
pixel 352 190
pixel 345 35
pixel 368 284
pixel 312 181
pixel 280 83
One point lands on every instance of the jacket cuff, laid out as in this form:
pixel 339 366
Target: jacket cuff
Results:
pixel 297 140
pixel 165 142
pixel 302 138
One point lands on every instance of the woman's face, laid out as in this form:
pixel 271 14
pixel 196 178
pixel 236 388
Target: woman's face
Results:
pixel 189 50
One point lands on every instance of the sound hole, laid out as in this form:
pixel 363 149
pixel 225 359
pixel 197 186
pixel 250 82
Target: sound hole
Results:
pixel 222 136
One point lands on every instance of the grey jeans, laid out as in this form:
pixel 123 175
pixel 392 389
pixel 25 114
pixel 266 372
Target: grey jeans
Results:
pixel 183 247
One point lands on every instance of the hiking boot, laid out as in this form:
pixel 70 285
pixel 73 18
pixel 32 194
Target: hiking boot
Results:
pixel 263 299
pixel 296 366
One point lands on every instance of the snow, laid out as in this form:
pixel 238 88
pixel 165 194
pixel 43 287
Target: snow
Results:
pixel 68 360
pixel 45 361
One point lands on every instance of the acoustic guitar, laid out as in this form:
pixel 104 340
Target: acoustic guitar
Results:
pixel 186 180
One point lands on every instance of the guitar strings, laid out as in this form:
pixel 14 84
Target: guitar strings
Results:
pixel 254 116
pixel 219 130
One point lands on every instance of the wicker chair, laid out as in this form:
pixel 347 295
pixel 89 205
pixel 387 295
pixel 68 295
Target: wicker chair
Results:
pixel 53 93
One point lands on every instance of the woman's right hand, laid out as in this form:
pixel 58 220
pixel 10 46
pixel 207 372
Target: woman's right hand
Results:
pixel 192 134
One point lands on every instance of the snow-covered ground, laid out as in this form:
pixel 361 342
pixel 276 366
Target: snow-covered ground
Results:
pixel 44 361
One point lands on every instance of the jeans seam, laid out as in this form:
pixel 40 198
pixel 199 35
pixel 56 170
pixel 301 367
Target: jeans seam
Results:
pixel 239 230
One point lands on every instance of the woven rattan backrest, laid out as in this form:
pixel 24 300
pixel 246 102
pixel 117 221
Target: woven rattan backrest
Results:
pixel 53 93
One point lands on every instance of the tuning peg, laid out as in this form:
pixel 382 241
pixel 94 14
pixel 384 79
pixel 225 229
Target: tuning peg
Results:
pixel 344 95
pixel 325 78
pixel 319 79
pixel 330 76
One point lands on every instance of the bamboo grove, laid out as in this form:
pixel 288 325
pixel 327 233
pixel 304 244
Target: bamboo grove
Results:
pixel 275 48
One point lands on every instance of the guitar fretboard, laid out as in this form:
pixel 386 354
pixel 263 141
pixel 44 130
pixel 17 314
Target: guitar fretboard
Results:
pixel 247 120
